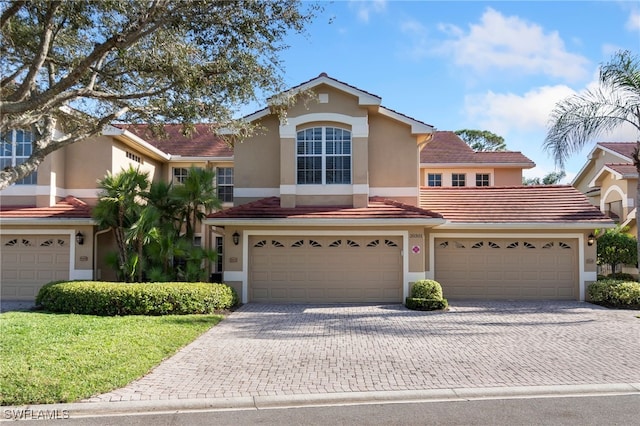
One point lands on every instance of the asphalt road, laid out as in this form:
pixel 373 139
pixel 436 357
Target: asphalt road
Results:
pixel 621 410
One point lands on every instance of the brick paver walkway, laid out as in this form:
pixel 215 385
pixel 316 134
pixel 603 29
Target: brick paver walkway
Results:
pixel 308 349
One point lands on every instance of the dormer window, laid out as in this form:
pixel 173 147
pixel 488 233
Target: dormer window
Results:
pixel 323 156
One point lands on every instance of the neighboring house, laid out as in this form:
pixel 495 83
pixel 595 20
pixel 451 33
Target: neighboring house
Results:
pixel 610 181
pixel 332 204
pixel 448 161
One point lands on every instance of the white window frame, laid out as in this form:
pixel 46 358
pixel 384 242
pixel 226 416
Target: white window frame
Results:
pixel 225 183
pixel 461 178
pixel 434 175
pixel 323 156
pixel 179 179
pixel 16 159
pixel 488 175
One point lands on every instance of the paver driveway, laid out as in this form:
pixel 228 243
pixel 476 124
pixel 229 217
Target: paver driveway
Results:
pixel 306 349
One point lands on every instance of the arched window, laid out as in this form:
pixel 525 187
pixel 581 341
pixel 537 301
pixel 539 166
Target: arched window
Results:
pixel 323 156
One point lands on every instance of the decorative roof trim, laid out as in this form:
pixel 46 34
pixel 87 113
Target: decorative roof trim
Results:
pixel 582 225
pixel 417 127
pixel 322 222
pixel 46 221
pixel 114 131
pixel 592 156
pixel 478 165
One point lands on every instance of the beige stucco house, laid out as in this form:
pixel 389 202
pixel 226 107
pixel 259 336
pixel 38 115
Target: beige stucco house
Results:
pixel 344 200
pixel 609 180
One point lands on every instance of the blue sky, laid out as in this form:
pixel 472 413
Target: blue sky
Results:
pixel 497 66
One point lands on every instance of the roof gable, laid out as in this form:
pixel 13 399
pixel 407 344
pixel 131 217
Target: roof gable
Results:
pixel 203 142
pixel 447 148
pixel 365 99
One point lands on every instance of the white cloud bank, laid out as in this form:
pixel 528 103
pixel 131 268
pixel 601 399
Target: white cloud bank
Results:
pixel 509 42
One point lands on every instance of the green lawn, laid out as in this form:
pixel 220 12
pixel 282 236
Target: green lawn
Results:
pixel 48 358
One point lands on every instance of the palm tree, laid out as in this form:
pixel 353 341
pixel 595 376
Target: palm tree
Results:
pixel 580 118
pixel 197 196
pixel 118 207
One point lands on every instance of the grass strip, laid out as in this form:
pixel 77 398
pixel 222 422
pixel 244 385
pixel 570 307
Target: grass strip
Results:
pixel 48 358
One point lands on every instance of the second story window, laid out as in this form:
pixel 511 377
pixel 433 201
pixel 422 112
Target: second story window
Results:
pixel 323 156
pixel 458 179
pixel 434 179
pixel 16 147
pixel 482 179
pixel 179 175
pixel 224 184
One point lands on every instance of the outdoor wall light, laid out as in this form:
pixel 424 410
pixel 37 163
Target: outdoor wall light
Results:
pixel 236 238
pixel 80 238
pixel 591 239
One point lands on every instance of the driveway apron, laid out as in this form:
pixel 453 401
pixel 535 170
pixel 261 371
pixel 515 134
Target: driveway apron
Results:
pixel 266 349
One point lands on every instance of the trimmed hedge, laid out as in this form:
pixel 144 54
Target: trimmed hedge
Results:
pixel 615 293
pixel 109 299
pixel 426 295
pixel 421 304
pixel 427 289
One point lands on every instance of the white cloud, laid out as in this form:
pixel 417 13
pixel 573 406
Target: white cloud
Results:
pixel 633 23
pixel 503 112
pixel 418 47
pixel 509 42
pixel 364 9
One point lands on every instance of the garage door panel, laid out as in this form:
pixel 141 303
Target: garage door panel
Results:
pixel 28 262
pixel 507 268
pixel 325 269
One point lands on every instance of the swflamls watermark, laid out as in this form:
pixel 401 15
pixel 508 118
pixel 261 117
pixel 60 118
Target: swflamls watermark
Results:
pixel 35 414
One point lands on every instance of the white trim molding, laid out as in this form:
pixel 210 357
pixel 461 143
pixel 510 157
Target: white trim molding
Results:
pixel 359 125
pixel 409 191
pixel 255 192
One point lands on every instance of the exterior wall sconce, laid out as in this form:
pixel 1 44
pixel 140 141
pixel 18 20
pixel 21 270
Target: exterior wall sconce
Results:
pixel 236 238
pixel 591 239
pixel 80 238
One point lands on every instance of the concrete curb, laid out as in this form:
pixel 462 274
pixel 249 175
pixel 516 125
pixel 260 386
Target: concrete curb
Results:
pixel 93 409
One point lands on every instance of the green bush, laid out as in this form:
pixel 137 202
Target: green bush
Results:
pixel 422 304
pixel 107 298
pixel 615 293
pixel 426 289
pixel 621 276
pixel 426 295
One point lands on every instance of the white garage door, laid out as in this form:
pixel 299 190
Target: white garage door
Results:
pixel 325 269
pixel 30 261
pixel 493 268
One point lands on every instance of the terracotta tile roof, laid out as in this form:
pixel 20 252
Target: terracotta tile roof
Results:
pixel 521 204
pixel 67 208
pixel 622 148
pixel 379 208
pixel 202 143
pixel 625 169
pixel 448 148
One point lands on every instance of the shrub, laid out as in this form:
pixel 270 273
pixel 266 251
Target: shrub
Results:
pixel 427 289
pixel 422 304
pixel 621 276
pixel 106 298
pixel 615 293
pixel 426 295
